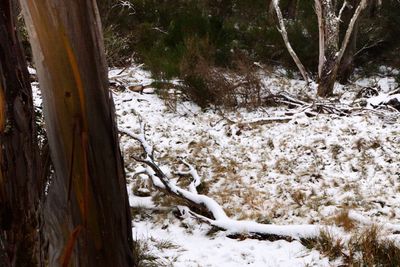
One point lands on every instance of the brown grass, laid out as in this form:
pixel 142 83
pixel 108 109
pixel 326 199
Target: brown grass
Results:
pixel 370 249
pixel 144 257
pixel 298 197
pixel 327 244
pixel 343 220
pixel 366 248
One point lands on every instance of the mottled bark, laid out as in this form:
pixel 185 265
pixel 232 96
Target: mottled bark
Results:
pixel 331 53
pixel 329 46
pixel 19 183
pixel 327 79
pixel 87 216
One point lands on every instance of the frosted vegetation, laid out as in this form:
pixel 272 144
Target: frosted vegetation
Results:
pixel 311 176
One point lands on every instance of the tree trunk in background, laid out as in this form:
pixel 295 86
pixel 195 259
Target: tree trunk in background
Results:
pixel 19 183
pixel 283 32
pixel 347 64
pixel 87 215
pixel 291 9
pixel 328 44
pixel 330 53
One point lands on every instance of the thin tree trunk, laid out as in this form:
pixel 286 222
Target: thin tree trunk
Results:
pixel 291 9
pixel 283 32
pixel 321 36
pixel 347 63
pixel 19 184
pixel 87 215
pixel 329 46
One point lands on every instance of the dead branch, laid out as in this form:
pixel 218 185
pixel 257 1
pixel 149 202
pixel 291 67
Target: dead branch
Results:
pixel 207 210
pixel 345 4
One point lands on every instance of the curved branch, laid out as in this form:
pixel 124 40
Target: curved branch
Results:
pixel 350 29
pixel 283 32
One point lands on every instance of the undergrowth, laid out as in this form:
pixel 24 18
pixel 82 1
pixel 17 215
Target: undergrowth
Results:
pixel 368 247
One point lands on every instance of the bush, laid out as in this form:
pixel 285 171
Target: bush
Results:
pixel 206 84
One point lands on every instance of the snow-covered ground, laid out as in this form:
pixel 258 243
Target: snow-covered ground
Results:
pixel 305 171
pixel 301 170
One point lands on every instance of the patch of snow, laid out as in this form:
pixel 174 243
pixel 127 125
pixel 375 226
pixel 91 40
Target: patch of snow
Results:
pixel 195 248
pixel 301 172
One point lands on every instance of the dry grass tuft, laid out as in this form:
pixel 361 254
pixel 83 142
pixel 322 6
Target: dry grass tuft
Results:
pixel 343 220
pixel 366 248
pixel 327 244
pixel 284 166
pixel 298 197
pixel 144 257
pixel 370 249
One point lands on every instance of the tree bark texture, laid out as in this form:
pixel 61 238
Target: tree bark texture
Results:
pixel 330 53
pixel 86 214
pixel 329 45
pixel 19 179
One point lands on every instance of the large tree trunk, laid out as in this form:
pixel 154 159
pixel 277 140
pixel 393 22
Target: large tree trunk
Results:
pixel 19 183
pixel 87 215
pixel 327 79
pixel 329 46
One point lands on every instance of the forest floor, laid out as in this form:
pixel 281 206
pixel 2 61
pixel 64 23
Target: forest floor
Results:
pixel 325 169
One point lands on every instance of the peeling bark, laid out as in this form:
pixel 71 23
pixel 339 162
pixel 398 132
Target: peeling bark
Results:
pixel 86 214
pixel 19 184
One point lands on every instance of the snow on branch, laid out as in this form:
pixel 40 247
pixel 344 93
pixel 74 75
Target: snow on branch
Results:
pixel 192 172
pixel 214 214
pixel 161 181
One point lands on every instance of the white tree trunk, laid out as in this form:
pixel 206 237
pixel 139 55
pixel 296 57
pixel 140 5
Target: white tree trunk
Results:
pixel 283 32
pixel 350 28
pixel 321 32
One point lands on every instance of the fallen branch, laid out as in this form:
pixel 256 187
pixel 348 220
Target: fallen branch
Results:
pixel 212 213
pixel 206 210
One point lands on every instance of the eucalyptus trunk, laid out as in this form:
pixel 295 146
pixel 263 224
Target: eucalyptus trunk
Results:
pixel 328 25
pixel 19 179
pixel 86 214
